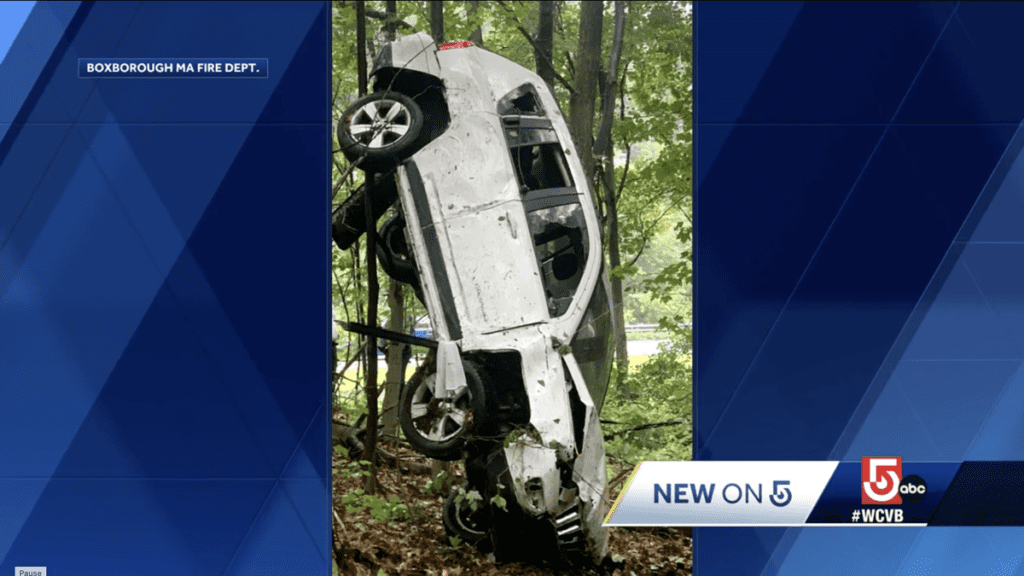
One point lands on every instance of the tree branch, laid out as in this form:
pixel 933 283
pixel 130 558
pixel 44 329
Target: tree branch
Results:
pixel 603 144
pixel 529 38
pixel 644 234
pixel 378 15
pixel 558 76
pixel 622 91
pixel 612 436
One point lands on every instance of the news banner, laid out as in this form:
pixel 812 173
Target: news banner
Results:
pixel 876 491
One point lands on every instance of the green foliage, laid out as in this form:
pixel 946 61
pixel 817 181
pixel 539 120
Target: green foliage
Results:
pixel 658 130
pixel 354 468
pixel 472 498
pixel 436 484
pixel 498 501
pixel 662 393
pixel 381 509
pixel 653 128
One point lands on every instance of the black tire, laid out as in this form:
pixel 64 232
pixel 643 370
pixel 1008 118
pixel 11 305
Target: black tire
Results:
pixel 380 130
pixel 461 521
pixel 394 254
pixel 428 423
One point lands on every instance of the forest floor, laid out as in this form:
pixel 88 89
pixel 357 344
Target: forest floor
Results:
pixel 399 532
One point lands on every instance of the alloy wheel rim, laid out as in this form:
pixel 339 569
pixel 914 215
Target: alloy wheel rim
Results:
pixel 439 419
pixel 380 123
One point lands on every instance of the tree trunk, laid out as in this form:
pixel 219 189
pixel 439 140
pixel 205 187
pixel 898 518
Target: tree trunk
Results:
pixel 391 9
pixel 437 21
pixel 396 365
pixel 477 37
pixel 396 304
pixel 371 280
pixel 619 315
pixel 603 146
pixel 605 151
pixel 361 45
pixel 581 103
pixel 371 349
pixel 543 46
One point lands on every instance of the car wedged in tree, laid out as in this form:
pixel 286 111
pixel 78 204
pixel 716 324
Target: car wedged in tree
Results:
pixel 497 232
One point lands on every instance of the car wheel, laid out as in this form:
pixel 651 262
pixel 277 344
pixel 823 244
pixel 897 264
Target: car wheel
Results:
pixel 393 253
pixel 379 130
pixel 461 521
pixel 436 427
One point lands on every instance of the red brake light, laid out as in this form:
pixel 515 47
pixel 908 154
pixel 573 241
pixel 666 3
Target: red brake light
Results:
pixel 450 45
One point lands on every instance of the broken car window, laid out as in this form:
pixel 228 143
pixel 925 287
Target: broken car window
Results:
pixel 559 239
pixel 522 100
pixel 592 344
pixel 540 166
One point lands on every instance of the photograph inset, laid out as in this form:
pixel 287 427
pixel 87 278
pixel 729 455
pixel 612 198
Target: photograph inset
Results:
pixel 491 214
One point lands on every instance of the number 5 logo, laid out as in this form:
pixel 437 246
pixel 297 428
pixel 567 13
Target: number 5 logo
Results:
pixel 780 497
pixel 881 480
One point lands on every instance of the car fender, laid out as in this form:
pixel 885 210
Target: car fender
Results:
pixel 545 385
pixel 534 471
pixel 589 467
pixel 416 52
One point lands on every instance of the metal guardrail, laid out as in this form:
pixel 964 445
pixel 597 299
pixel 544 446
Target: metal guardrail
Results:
pixel 649 327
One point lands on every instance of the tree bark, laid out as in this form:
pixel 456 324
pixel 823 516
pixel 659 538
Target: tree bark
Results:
pixel 396 365
pixel 604 150
pixel 477 37
pixel 371 351
pixel 543 47
pixel 602 146
pixel 371 278
pixel 581 103
pixel 391 12
pixel 361 45
pixel 614 260
pixel 437 21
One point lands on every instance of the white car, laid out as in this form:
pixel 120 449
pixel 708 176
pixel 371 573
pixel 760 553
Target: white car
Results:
pixel 499 235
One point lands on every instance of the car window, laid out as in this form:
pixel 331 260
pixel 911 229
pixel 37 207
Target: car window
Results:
pixel 592 344
pixel 540 166
pixel 560 243
pixel 550 200
pixel 521 101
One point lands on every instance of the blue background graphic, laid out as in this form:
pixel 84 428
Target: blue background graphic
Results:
pixel 860 260
pixel 12 16
pixel 164 319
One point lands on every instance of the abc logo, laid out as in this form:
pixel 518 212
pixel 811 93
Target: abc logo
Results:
pixel 913 489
